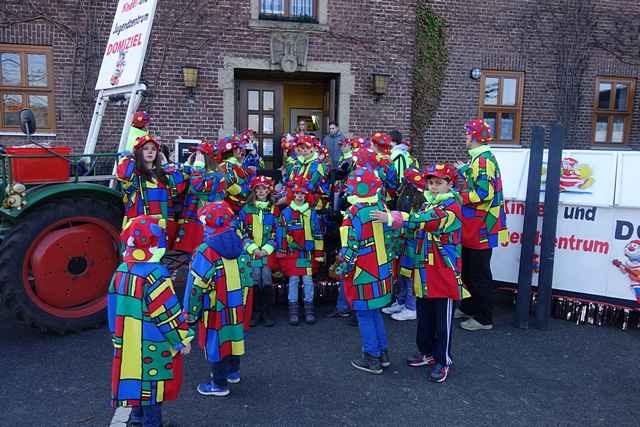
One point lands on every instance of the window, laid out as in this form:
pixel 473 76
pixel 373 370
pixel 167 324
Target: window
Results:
pixel 290 10
pixel 26 81
pixel 501 104
pixel 612 108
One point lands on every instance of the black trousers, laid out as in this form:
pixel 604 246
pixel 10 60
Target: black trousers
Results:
pixel 221 370
pixel 435 320
pixel 476 275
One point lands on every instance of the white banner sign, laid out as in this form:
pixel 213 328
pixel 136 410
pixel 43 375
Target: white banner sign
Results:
pixel 127 45
pixel 598 235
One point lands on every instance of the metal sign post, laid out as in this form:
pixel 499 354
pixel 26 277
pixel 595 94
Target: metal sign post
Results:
pixel 549 225
pixel 529 229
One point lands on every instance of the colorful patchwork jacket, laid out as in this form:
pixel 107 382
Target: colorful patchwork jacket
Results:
pixel 216 294
pixel 236 179
pixel 142 197
pixel 365 258
pixel 314 171
pixel 436 228
pixel 203 187
pixel 298 240
pixel 483 216
pixel 148 329
pixel 388 175
pixel 258 224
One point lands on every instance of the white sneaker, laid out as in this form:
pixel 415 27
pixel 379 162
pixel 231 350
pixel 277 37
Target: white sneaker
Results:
pixel 472 324
pixel 405 314
pixel 459 314
pixel 393 308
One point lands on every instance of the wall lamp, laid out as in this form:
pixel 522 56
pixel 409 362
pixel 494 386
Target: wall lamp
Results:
pixel 475 73
pixel 379 85
pixel 190 76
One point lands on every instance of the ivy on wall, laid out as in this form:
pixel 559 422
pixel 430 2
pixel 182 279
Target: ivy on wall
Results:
pixel 430 68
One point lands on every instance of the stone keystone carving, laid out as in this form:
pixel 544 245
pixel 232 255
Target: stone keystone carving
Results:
pixel 289 50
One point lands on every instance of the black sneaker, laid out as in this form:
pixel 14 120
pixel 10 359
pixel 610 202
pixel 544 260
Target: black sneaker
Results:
pixel 420 359
pixel 338 313
pixel 368 363
pixel 439 373
pixel 385 362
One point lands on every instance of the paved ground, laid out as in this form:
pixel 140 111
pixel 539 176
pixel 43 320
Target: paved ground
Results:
pixel 572 375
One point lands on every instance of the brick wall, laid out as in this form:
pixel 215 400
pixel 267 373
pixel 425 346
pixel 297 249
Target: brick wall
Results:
pixel 478 36
pixel 374 36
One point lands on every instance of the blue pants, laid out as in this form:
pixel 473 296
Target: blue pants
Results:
pixel 221 370
pixel 307 281
pixel 148 416
pixel 374 338
pixel 341 305
pixel 262 277
pixel 406 296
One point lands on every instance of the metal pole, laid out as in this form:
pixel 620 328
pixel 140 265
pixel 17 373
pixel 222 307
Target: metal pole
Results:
pixel 96 122
pixel 549 223
pixel 521 319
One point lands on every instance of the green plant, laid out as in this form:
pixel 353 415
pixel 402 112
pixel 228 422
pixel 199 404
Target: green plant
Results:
pixel 430 68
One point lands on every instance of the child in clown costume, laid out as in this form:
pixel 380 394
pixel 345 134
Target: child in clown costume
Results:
pixel 385 169
pixel 215 297
pixel 206 184
pixel 258 222
pixel 148 182
pixel 310 168
pixel 299 245
pixel 237 178
pixel 366 267
pixel 410 199
pixel 148 329
pixel 251 156
pixel 483 225
pixel 436 275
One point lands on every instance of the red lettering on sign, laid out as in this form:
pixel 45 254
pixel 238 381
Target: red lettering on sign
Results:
pixel 124 44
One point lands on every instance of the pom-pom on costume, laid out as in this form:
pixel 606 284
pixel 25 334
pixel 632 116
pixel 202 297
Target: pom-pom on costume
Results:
pixel 217 289
pixel 365 263
pixel 138 129
pixel 146 322
pixel 204 186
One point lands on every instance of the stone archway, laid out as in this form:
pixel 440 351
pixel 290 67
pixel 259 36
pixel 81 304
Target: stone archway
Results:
pixel 226 82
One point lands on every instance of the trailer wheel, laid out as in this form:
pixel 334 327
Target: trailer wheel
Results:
pixel 56 263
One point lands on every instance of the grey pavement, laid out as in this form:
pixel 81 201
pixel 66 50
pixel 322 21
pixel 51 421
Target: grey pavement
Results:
pixel 571 375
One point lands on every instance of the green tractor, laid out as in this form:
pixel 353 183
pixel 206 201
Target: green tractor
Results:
pixel 59 234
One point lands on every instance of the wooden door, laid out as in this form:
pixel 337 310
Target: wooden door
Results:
pixel 259 107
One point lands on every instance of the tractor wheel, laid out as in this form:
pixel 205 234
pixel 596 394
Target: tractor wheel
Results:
pixel 56 263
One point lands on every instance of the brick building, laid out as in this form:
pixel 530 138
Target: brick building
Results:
pixel 266 64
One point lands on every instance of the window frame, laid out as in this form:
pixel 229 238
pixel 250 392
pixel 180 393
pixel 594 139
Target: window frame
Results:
pixel 499 108
pixel 610 112
pixel 24 90
pixel 286 17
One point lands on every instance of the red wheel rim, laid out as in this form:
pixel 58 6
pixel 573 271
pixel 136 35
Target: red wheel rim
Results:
pixel 66 270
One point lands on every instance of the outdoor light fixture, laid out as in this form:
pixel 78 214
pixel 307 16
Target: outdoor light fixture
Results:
pixel 475 73
pixel 190 76
pixel 379 85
